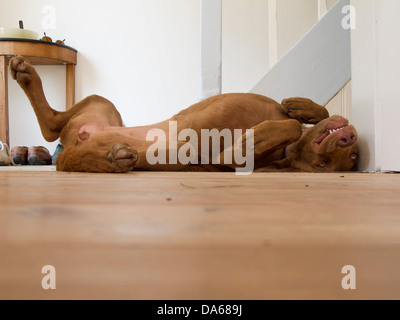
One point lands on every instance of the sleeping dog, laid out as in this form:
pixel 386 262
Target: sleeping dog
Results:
pixel 272 135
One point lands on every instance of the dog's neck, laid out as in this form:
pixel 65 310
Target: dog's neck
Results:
pixel 285 152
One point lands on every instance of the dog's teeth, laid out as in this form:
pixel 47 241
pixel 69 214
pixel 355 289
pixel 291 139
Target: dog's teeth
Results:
pixel 335 130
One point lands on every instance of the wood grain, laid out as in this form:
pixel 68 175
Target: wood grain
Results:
pixel 39 53
pixel 199 236
pixel 70 84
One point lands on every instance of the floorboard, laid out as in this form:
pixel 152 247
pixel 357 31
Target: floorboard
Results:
pixel 199 236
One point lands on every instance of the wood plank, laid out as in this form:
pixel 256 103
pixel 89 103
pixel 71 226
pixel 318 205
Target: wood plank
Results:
pixel 70 83
pixel 199 236
pixel 4 124
pixel 39 53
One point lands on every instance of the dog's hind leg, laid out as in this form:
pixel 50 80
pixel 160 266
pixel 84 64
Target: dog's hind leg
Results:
pixel 51 121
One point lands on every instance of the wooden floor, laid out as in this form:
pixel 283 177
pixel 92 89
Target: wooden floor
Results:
pixel 199 236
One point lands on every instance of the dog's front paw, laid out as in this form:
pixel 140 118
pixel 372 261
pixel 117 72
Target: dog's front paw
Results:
pixel 304 110
pixel 21 70
pixel 123 156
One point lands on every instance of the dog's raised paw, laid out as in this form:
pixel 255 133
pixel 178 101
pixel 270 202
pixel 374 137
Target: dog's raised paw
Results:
pixel 295 106
pixel 21 70
pixel 304 110
pixel 123 156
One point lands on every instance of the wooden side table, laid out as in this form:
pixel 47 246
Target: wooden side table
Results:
pixel 37 53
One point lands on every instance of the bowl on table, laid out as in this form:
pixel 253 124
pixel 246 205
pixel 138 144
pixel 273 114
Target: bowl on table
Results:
pixel 15 33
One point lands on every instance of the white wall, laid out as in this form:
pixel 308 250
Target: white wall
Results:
pixel 245 37
pixel 388 80
pixel 244 44
pixel 341 104
pixel 294 18
pixel 143 55
pixel 375 50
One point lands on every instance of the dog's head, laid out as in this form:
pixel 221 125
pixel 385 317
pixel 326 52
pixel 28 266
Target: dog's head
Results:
pixel 329 146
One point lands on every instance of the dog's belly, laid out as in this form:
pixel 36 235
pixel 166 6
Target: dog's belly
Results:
pixel 86 131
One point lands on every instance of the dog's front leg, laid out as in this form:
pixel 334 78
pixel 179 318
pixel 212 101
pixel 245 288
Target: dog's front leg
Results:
pixel 263 140
pixel 304 110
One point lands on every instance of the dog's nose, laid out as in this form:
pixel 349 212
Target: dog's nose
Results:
pixel 347 140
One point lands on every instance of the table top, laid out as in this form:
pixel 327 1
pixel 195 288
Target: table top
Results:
pixel 38 52
pixel 37 41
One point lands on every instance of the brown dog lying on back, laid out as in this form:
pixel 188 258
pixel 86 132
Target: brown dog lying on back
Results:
pixel 95 140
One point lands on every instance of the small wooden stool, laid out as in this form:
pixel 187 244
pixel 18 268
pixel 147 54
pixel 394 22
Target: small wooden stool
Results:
pixel 37 53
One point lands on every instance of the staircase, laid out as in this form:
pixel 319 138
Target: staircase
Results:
pixel 317 67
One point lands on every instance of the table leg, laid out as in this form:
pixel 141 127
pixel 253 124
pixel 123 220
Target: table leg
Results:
pixel 70 85
pixel 4 122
